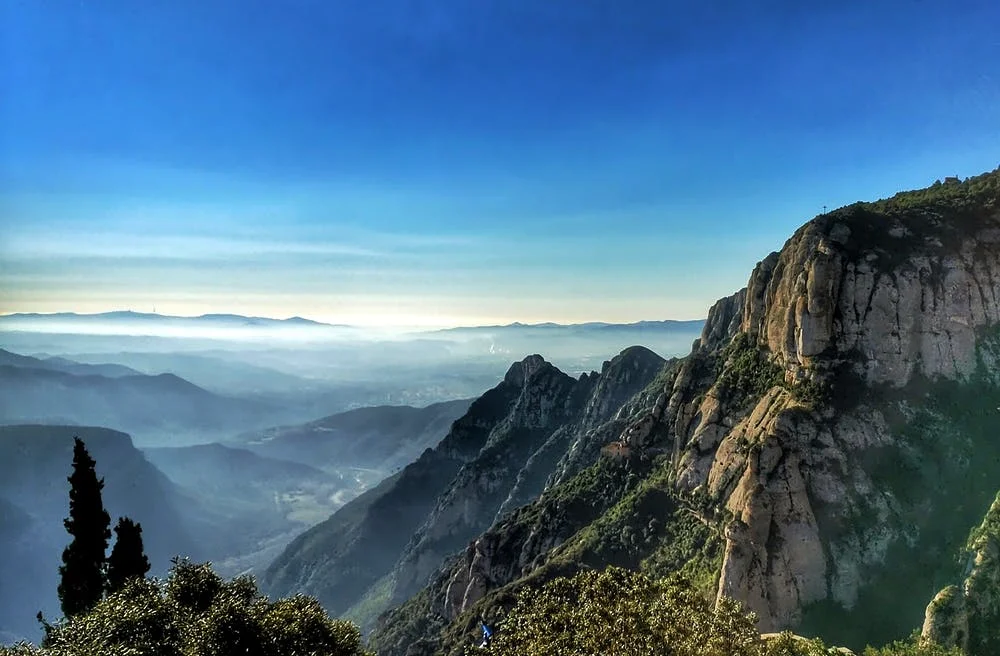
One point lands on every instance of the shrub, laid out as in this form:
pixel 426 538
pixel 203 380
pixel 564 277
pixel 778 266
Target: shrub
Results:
pixel 196 613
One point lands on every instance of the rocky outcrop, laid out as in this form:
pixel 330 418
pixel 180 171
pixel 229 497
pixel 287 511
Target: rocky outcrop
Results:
pixel 495 458
pixel 628 387
pixel 726 317
pixel 552 411
pixel 901 293
pixel 968 615
pixel 469 505
pixel 869 297
pixel 946 621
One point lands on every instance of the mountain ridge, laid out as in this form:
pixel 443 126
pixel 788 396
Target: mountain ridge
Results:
pixel 238 319
pixel 436 503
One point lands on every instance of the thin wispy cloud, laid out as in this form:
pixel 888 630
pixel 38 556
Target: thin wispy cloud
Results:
pixel 174 247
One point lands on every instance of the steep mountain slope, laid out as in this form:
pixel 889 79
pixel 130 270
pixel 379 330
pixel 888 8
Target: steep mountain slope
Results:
pixel 821 454
pixel 380 437
pixel 157 408
pixel 396 534
pixel 34 464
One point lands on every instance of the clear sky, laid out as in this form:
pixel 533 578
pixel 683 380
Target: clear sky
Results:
pixel 461 161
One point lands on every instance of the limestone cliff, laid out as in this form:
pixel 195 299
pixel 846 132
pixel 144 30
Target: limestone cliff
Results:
pixel 866 312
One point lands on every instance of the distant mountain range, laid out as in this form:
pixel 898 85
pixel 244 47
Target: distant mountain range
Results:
pixel 35 321
pixel 65 365
pixel 129 316
pixel 590 326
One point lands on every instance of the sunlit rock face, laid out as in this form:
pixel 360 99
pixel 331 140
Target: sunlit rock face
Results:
pixel 888 312
pixel 904 295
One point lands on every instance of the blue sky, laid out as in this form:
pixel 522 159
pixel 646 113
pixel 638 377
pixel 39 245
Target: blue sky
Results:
pixel 461 161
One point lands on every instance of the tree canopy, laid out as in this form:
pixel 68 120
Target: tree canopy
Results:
pixel 81 582
pixel 194 612
pixel 127 560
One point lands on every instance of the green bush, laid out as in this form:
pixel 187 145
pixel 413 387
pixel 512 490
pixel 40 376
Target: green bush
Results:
pixel 196 613
pixel 913 647
pixel 747 370
pixel 617 611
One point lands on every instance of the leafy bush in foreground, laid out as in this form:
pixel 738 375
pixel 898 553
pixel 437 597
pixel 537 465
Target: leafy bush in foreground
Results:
pixel 195 613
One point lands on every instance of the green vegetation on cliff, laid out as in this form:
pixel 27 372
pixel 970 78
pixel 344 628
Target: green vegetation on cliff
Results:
pixel 946 195
pixel 622 513
pixel 982 586
pixel 617 611
pixel 943 442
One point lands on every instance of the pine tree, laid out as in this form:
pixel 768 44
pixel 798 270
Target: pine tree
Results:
pixel 81 582
pixel 127 560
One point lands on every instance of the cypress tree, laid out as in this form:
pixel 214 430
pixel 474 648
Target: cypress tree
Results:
pixel 81 583
pixel 127 560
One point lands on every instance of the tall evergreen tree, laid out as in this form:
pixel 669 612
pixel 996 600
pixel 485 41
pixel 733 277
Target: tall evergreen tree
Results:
pixel 127 560
pixel 81 582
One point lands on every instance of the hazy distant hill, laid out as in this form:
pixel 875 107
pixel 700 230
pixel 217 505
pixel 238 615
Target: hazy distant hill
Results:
pixel 382 437
pixel 668 325
pixel 65 365
pixel 154 408
pixel 215 372
pixel 20 320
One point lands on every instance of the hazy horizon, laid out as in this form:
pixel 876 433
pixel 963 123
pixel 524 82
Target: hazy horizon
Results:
pixel 332 322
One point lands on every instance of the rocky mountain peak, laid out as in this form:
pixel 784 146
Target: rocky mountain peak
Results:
pixel 896 288
pixel 633 357
pixel 725 318
pixel 521 372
